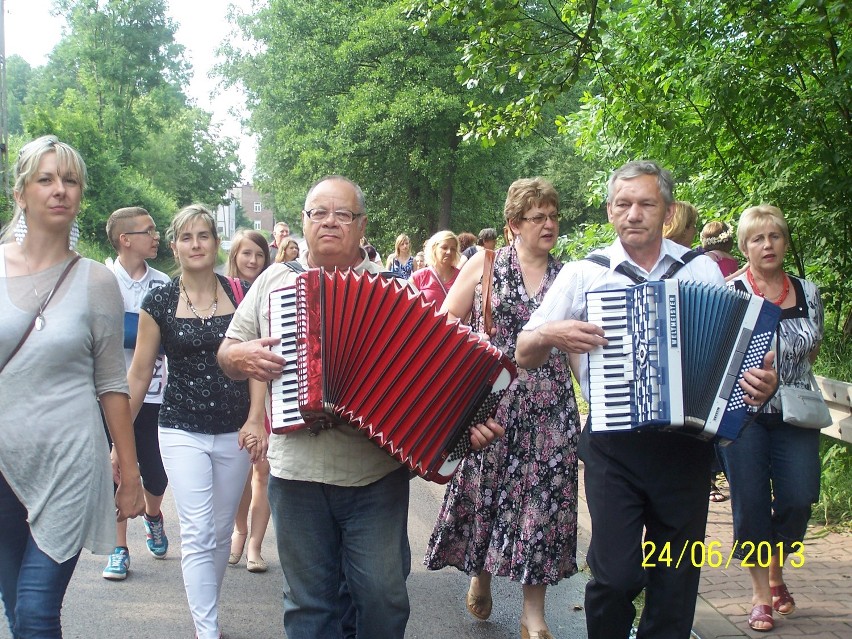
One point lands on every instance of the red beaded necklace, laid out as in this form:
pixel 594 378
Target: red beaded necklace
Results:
pixel 784 291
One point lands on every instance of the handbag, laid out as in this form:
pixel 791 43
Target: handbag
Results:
pixel 804 407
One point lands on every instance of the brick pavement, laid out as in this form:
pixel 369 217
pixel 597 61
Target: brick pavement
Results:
pixel 822 587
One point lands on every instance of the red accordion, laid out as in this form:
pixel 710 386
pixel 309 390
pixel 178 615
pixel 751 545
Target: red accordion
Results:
pixel 371 353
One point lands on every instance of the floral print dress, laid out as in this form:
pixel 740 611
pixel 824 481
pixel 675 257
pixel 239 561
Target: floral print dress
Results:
pixel 511 509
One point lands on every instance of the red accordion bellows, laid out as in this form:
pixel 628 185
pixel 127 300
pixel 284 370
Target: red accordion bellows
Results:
pixel 371 353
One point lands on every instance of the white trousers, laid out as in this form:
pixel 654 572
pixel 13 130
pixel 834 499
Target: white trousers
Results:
pixel 206 474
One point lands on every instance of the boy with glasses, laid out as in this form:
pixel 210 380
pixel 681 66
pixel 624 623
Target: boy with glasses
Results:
pixel 134 236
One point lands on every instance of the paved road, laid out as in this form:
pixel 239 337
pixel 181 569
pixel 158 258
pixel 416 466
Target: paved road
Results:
pixel 151 602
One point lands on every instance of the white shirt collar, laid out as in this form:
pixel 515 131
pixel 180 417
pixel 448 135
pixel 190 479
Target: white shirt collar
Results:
pixel 669 249
pixel 124 277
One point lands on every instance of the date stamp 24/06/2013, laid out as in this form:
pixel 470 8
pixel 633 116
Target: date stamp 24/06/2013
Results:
pixel 700 554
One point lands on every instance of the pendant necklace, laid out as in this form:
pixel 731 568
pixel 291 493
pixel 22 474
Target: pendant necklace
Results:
pixel 194 310
pixel 40 322
pixel 784 290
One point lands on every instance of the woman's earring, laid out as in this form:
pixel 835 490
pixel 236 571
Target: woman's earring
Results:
pixel 21 228
pixel 74 236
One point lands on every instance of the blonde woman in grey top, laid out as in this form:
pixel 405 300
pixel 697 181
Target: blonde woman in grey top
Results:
pixel 56 493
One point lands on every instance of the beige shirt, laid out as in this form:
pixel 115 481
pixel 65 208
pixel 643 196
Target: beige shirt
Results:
pixel 343 455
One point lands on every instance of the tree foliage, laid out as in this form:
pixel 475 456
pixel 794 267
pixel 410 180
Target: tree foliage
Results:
pixel 113 88
pixel 347 87
pixel 18 74
pixel 524 54
pixel 747 101
pixel 119 52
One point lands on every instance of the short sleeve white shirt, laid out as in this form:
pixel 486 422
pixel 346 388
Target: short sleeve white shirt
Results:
pixel 133 291
pixel 566 298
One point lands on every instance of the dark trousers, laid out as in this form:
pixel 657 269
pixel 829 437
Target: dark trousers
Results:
pixel 363 529
pixel 654 482
pixel 147 436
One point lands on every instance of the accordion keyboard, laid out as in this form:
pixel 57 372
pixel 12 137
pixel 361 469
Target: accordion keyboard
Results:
pixel 676 352
pixel 284 412
pixel 629 379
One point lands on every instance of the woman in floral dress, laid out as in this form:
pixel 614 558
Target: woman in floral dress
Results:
pixel 511 509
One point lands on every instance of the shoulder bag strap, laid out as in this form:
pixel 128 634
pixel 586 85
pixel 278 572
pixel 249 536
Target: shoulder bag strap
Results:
pixel 487 281
pixel 237 289
pixel 29 330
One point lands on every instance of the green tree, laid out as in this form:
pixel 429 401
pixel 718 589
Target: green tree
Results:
pixel 347 87
pixel 18 76
pixel 119 51
pixel 747 101
pixel 111 184
pixel 522 55
pixel 113 87
pixel 241 220
pixel 188 157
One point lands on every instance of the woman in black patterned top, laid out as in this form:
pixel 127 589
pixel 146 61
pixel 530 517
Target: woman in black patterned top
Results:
pixel 202 423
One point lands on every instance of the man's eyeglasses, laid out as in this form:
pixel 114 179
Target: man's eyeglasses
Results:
pixel 343 216
pixel 152 232
pixel 539 219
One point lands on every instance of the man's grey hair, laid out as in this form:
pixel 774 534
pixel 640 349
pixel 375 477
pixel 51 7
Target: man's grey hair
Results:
pixel 359 194
pixel 638 168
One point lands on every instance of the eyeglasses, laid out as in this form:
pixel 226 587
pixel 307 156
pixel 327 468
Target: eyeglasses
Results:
pixel 539 219
pixel 321 215
pixel 152 232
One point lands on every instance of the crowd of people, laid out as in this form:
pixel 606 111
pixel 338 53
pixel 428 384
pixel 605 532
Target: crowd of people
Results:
pixel 167 385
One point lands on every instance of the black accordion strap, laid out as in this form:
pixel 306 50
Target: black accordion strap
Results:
pixel 597 258
pixel 630 272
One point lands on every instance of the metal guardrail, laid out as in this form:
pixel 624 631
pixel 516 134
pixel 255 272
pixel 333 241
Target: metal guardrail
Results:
pixel 838 396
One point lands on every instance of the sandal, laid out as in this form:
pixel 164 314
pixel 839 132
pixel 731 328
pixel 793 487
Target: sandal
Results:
pixel 535 634
pixel 479 606
pixel 716 495
pixel 761 613
pixel 782 597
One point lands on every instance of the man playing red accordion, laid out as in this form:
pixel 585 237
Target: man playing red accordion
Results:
pixel 335 496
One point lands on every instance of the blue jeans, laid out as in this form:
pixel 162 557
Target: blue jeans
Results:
pixel 32 584
pixel 774 472
pixel 318 528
